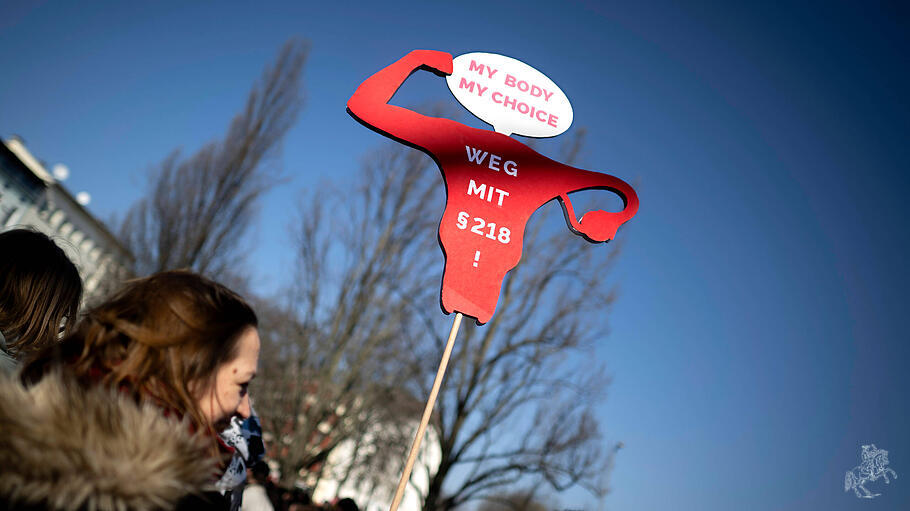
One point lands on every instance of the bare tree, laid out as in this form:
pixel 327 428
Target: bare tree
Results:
pixel 335 369
pixel 199 208
pixel 517 401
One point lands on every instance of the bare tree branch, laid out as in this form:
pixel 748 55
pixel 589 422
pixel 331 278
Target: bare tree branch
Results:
pixel 198 209
pixel 352 302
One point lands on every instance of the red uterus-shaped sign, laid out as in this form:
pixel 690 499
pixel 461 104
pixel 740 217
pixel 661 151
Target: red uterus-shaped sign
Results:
pixel 493 182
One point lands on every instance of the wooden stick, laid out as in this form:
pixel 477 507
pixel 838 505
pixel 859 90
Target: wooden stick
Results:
pixel 415 446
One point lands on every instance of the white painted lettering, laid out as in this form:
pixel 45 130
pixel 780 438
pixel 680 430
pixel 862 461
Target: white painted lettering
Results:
pixel 502 194
pixel 473 189
pixel 478 157
pixel 494 162
pixel 475 155
pixel 487 193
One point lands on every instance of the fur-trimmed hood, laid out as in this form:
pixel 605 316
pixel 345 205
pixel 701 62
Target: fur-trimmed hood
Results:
pixel 65 448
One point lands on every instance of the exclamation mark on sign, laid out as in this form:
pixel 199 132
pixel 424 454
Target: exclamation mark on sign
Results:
pixel 476 257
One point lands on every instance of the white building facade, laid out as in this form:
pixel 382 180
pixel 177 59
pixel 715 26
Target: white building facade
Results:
pixel 31 197
pixel 344 478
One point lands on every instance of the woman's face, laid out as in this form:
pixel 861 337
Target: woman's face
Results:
pixel 229 395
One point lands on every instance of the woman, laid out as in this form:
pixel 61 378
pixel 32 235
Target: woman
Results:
pixel 40 290
pixel 174 342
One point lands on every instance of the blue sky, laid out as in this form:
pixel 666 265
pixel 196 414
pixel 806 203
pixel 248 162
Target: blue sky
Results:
pixel 759 338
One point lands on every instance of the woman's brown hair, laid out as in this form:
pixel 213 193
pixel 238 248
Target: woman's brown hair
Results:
pixel 160 338
pixel 40 291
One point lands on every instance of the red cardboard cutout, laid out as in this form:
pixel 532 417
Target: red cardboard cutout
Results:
pixel 493 184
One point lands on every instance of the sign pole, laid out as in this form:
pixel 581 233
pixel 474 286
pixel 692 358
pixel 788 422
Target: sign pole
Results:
pixel 427 411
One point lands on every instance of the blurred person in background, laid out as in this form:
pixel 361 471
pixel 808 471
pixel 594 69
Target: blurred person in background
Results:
pixel 346 505
pixel 40 291
pixel 255 495
pixel 298 499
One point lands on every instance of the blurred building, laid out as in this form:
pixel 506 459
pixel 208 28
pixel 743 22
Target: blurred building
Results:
pixel 31 197
pixel 367 463
pixel 372 485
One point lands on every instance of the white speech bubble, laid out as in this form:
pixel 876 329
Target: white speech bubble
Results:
pixel 509 95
